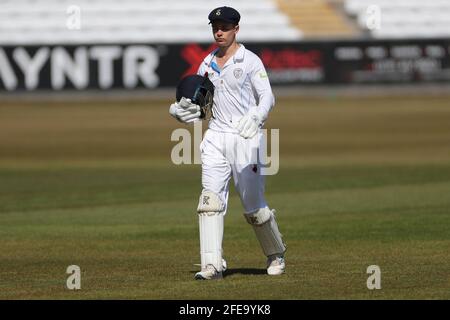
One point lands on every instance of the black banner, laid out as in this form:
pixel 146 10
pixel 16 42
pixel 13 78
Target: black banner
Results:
pixel 404 61
pixel 105 67
pixel 224 309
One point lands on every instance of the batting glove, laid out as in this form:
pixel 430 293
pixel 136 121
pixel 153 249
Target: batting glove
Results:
pixel 185 111
pixel 249 124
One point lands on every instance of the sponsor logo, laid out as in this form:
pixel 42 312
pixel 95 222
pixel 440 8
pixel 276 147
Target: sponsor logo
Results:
pixel 58 68
pixel 193 54
pixel 254 220
pixel 293 65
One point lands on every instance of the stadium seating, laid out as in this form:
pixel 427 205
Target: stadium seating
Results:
pixel 134 21
pixel 318 18
pixel 403 18
pixel 159 21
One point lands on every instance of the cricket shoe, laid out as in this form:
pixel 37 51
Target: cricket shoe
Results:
pixel 224 265
pixel 275 265
pixel 209 273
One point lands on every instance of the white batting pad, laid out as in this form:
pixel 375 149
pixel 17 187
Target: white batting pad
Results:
pixel 266 230
pixel 209 202
pixel 211 236
pixel 210 214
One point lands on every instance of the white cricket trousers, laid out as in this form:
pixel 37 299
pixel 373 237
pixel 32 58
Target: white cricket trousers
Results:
pixel 225 155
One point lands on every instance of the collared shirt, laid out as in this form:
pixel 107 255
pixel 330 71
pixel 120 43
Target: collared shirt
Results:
pixel 241 84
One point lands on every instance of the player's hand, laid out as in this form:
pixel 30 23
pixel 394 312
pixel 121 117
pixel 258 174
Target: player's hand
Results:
pixel 185 111
pixel 249 124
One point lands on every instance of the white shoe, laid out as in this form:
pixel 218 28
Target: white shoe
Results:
pixel 209 273
pixel 275 265
pixel 224 265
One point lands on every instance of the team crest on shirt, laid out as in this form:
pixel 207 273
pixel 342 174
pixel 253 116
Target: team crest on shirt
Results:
pixel 238 73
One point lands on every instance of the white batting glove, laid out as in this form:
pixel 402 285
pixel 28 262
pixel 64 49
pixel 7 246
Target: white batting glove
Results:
pixel 249 124
pixel 185 111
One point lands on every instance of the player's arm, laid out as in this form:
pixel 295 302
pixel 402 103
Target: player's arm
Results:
pixel 261 85
pixel 249 124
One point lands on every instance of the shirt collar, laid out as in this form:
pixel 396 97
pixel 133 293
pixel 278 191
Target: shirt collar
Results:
pixel 239 55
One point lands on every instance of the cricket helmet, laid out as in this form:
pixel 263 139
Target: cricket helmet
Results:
pixel 199 89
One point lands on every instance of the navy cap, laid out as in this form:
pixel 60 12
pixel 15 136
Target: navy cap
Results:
pixel 226 14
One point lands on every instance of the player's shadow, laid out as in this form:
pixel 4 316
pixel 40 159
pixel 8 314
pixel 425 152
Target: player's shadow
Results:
pixel 247 271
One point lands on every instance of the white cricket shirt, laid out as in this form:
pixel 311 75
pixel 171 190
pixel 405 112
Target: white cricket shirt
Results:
pixel 242 83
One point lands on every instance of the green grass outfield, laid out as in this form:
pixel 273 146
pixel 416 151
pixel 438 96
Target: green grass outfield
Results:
pixel 362 181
